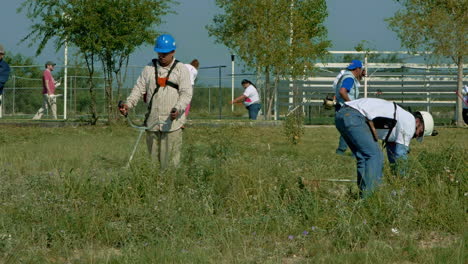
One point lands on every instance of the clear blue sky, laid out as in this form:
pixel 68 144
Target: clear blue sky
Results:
pixel 349 22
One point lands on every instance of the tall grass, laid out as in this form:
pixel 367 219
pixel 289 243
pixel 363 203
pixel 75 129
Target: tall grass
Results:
pixel 242 195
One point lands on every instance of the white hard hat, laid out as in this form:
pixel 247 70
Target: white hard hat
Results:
pixel 428 124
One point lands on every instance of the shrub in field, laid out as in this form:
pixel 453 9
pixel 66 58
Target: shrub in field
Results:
pixel 293 126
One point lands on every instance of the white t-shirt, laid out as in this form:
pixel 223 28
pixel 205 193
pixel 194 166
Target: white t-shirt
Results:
pixel 252 95
pixel 193 73
pixel 371 108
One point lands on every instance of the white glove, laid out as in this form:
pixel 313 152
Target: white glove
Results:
pixel 57 84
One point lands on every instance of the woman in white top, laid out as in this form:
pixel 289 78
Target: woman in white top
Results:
pixel 193 69
pixel 250 98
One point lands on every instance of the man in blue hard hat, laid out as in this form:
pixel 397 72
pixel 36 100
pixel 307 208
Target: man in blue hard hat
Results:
pixel 165 87
pixel 346 88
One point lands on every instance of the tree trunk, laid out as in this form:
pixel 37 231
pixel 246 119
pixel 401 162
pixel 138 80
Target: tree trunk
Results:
pixel 267 107
pixel 111 116
pixel 121 79
pixel 92 93
pixel 272 97
pixel 459 107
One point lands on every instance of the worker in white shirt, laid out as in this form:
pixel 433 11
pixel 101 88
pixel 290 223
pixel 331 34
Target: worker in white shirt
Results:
pixel 363 121
pixel 164 84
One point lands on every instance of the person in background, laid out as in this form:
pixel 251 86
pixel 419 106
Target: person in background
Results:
pixel 166 84
pixel 4 74
pixel 363 122
pixel 250 98
pixel 346 88
pixel 49 100
pixel 193 70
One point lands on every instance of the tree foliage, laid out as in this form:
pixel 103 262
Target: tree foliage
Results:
pixel 28 81
pixel 278 37
pixel 437 26
pixel 105 31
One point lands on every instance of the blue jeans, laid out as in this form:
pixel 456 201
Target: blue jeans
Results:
pixel 253 111
pixel 354 129
pixel 397 155
pixel 342 146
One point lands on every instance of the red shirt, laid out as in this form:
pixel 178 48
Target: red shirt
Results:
pixel 48 78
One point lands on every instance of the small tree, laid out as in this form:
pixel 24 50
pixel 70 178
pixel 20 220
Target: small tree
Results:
pixel 437 26
pixel 27 100
pixel 107 31
pixel 282 38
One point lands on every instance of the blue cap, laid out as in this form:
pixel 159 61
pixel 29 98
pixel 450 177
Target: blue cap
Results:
pixel 354 64
pixel 164 44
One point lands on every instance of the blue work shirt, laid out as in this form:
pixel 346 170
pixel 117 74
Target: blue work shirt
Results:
pixel 4 73
pixel 350 83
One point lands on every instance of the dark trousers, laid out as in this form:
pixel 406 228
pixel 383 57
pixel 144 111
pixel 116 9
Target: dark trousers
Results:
pixel 465 115
pixel 253 111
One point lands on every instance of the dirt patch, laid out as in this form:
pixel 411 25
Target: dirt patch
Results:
pixel 437 240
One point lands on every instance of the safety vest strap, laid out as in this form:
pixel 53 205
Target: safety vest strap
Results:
pixel 167 82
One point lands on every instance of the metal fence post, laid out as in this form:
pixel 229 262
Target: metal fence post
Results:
pixel 365 77
pixel 232 81
pixel 14 94
pixel 220 94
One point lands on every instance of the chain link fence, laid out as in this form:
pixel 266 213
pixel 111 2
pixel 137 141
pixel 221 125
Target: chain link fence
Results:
pixel 214 89
pixel 22 95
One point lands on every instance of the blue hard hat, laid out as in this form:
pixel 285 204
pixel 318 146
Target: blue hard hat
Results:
pixel 164 44
pixel 354 64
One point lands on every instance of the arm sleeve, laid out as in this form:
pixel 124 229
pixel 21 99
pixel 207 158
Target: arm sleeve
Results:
pixel 185 89
pixel 139 89
pixel 248 91
pixel 195 74
pixel 348 84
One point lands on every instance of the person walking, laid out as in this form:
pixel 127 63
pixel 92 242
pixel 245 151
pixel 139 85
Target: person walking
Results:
pixel 363 121
pixel 250 98
pixel 346 87
pixel 166 88
pixel 193 70
pixel 49 100
pixel 4 74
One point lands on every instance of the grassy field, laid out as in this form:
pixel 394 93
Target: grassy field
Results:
pixel 243 195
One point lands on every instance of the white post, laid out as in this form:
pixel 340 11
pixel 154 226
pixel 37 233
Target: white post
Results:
pixel 232 81
pixel 365 77
pixel 65 80
pixel 291 35
pixel 428 96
